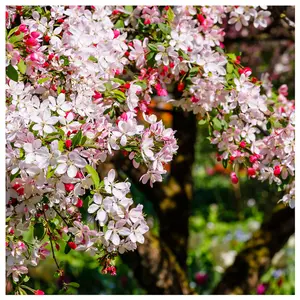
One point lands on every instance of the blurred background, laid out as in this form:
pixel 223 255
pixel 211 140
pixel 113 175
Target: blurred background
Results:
pixel 207 236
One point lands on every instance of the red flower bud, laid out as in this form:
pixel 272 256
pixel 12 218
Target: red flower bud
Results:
pixel 200 18
pixel 69 187
pixel 46 38
pixel 79 175
pixel 251 172
pixel 72 245
pixel 147 22
pixel 39 292
pixel 68 144
pixel 60 21
pixel 180 86
pixel 79 203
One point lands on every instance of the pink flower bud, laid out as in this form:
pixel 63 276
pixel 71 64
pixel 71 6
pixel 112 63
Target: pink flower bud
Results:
pixel 39 292
pixel 242 144
pixel 31 42
pixel 277 170
pixel 234 178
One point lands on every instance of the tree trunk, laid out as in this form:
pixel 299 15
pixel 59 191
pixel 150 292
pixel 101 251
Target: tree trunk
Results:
pixel 243 276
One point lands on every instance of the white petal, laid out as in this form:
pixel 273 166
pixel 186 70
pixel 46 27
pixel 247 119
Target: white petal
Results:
pixel 97 198
pixel 101 216
pixel 115 239
pixel 72 171
pixel 61 169
pixel 48 129
pixel 124 231
pixel 93 208
pixel 132 237
pixel 111 175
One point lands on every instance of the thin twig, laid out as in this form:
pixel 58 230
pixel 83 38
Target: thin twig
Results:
pixel 50 239
pixel 61 216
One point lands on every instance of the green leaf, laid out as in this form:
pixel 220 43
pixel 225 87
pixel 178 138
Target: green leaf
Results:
pixel 170 15
pixel 142 84
pixel 107 110
pixel 22 153
pixel 13 176
pixel 164 28
pixel 229 68
pixel 61 146
pixel 65 59
pixel 67 249
pixel 152 47
pixel 12 31
pixel 83 140
pixel 74 284
pixel 194 71
pixel 232 56
pixel 76 139
pixel 50 172
pixel 22 66
pixel 93 59
pixel 119 95
pixel 202 122
pixel 118 80
pixel 39 231
pixel 26 278
pixel 224 163
pixel 150 55
pixel 42 80
pixel 16 38
pixel 94 175
pixel 12 73
pixel 217 124
pixel 129 8
pixel 183 54
pixel 119 24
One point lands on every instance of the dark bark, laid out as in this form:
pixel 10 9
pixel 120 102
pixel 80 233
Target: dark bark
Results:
pixel 156 268
pixel 243 276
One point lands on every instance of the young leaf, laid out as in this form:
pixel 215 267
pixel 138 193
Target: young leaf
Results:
pixel 94 175
pixel 119 24
pixel 42 80
pixel 170 15
pixel 217 124
pixel 76 139
pixel 22 66
pixel 129 8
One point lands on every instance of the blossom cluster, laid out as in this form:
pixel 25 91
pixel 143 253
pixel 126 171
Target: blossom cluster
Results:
pixel 79 79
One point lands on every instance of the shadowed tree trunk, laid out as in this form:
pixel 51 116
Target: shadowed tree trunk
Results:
pixel 243 276
pixel 156 268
